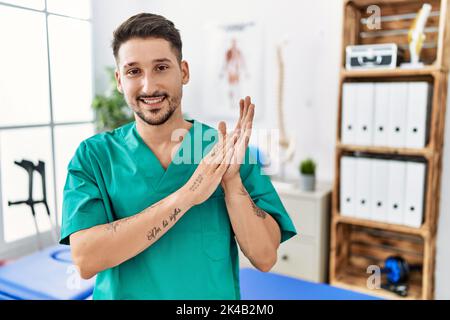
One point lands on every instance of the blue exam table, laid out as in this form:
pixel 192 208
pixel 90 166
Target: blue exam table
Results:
pixel 49 275
pixel 45 275
pixel 257 285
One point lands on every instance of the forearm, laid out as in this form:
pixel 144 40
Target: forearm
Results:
pixel 257 233
pixel 108 245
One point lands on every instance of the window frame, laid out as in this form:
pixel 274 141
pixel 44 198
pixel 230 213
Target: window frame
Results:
pixel 29 244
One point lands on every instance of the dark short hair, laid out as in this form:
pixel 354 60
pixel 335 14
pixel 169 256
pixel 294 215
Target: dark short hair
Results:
pixel 147 25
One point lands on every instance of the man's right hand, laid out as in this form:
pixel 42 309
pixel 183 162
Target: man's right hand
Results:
pixel 208 175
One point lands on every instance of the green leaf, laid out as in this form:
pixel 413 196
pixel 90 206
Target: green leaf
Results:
pixel 111 109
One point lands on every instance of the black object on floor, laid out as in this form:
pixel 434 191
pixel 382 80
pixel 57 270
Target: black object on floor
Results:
pixel 30 168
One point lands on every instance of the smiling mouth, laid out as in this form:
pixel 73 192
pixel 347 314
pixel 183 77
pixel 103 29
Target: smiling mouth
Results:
pixel 154 102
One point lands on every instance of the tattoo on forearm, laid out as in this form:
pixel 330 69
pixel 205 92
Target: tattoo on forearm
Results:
pixel 243 191
pixel 173 216
pixel 153 233
pixel 259 212
pixel 198 180
pixel 113 226
pixel 155 230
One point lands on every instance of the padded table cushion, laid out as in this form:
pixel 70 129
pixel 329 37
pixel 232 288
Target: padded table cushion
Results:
pixel 257 285
pixel 45 275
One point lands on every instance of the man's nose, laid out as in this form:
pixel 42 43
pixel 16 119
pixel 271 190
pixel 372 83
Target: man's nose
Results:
pixel 149 84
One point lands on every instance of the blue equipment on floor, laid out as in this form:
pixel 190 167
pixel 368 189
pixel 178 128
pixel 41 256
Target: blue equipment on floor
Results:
pixel 397 271
pixel 45 275
pixel 257 285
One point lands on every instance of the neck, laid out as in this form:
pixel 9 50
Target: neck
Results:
pixel 160 135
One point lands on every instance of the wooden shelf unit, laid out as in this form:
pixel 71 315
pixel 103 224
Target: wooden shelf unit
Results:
pixel 368 245
pixel 426 71
pixel 381 225
pixel 354 245
pixel 357 282
pixel 425 152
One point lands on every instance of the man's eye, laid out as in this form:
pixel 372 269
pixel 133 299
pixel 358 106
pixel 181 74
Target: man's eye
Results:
pixel 161 67
pixel 133 72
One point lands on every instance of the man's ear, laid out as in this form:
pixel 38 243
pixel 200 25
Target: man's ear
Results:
pixel 184 72
pixel 118 81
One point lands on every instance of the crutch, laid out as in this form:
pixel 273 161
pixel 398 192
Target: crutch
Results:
pixel 30 167
pixel 40 168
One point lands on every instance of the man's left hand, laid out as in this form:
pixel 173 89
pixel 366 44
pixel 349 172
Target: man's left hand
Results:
pixel 242 133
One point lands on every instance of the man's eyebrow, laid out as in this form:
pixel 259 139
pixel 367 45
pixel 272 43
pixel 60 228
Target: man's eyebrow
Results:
pixel 131 64
pixel 162 60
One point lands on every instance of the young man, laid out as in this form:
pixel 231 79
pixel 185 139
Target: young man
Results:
pixel 155 224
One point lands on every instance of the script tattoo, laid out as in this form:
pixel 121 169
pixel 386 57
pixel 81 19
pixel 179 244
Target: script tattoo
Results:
pixel 113 226
pixel 155 230
pixel 198 180
pixel 153 233
pixel 173 216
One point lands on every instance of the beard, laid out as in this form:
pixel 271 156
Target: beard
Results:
pixel 159 116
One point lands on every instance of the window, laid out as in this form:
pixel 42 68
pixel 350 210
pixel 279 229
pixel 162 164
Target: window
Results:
pixel 18 144
pixel 70 57
pixel 32 4
pixel 45 106
pixel 74 8
pixel 24 97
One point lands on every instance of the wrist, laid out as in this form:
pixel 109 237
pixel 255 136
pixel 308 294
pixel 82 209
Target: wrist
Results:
pixel 232 185
pixel 183 198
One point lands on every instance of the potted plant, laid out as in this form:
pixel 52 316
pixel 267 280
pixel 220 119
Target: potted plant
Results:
pixel 307 170
pixel 110 109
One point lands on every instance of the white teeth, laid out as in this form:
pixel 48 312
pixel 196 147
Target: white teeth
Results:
pixel 153 101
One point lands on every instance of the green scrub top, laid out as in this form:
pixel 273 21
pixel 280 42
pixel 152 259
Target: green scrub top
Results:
pixel 114 175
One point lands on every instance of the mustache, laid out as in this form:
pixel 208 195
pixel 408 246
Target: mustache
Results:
pixel 154 95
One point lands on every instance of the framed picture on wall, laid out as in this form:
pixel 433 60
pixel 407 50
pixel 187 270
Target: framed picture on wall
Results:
pixel 233 67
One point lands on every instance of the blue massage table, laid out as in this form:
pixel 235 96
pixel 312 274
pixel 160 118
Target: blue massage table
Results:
pixel 257 285
pixel 45 275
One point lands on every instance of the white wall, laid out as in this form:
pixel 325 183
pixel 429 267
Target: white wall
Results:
pixel 311 84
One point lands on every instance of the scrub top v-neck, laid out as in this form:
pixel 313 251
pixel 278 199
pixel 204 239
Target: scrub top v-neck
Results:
pixel 150 163
pixel 114 175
